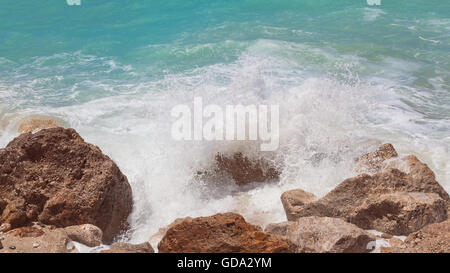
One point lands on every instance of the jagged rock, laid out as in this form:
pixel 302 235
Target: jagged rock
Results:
pixel 242 169
pixel 324 235
pixel 54 177
pixel 129 248
pixel 434 238
pixel 36 239
pixel 221 233
pixel 350 198
pixel 374 161
pixel 86 234
pixel 294 199
pixel 400 213
pixel 36 123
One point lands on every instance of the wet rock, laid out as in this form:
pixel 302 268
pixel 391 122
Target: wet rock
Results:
pixel 53 176
pixel 129 248
pixel 86 234
pixel 324 235
pixel 434 238
pixel 221 233
pixel 293 200
pixel 373 162
pixel 400 213
pixel 242 169
pixel 352 199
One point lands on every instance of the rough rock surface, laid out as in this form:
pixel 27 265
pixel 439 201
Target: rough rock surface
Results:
pixel 86 234
pixel 36 239
pixel 374 161
pixel 348 199
pixel 434 238
pixel 54 177
pixel 293 200
pixel 129 248
pixel 400 212
pixel 242 169
pixel 324 235
pixel 221 233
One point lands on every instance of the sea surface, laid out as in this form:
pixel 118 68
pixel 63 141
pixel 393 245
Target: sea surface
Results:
pixel 347 76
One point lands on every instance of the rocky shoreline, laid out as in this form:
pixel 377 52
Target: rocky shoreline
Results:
pixel 56 189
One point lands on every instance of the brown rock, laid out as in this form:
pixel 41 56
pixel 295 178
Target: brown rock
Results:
pixel 36 123
pixel 433 238
pixel 36 239
pixel 129 248
pixel 221 233
pixel 373 162
pixel 3 205
pixel 86 234
pixel 25 232
pixel 352 195
pixel 397 243
pixel 5 227
pixel 54 177
pixel 278 228
pixel 293 200
pixel 325 235
pixel 399 213
pixel 242 169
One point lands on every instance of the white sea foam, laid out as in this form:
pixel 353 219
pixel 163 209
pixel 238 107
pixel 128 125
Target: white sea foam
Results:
pixel 325 122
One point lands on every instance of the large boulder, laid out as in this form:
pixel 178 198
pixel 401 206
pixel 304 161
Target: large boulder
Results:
pixel 357 198
pixel 293 200
pixel 324 235
pixel 434 238
pixel 54 177
pixel 221 233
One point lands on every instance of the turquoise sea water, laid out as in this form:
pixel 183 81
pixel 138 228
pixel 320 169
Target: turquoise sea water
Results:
pixel 347 76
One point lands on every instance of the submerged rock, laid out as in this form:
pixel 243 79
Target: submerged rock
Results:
pixel 242 169
pixel 365 201
pixel 324 235
pixel 221 233
pixel 54 177
pixel 293 200
pixel 129 248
